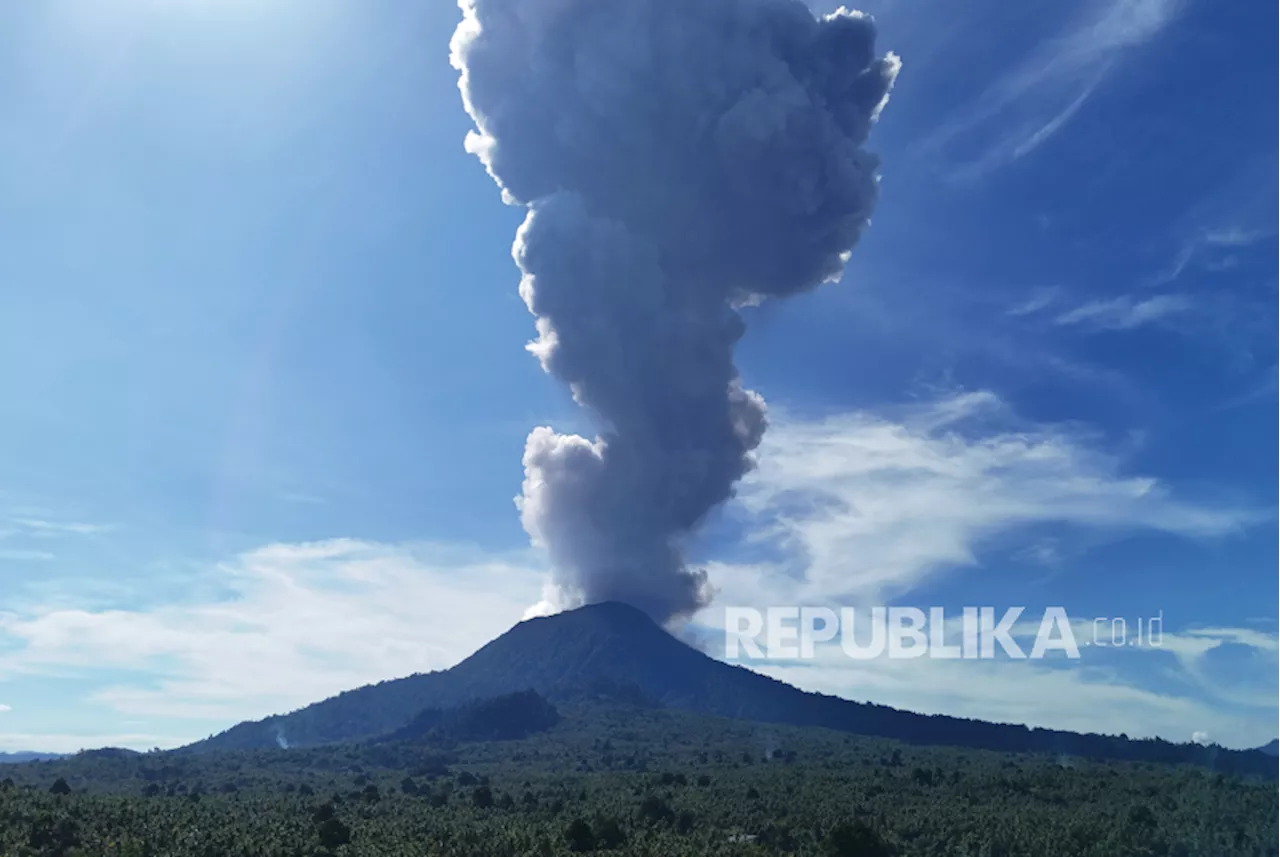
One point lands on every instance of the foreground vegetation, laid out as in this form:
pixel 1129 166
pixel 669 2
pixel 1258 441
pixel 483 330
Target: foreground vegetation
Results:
pixel 627 780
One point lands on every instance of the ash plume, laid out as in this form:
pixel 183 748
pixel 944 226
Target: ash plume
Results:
pixel 678 159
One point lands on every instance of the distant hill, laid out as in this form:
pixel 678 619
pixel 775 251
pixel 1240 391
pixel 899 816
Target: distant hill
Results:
pixel 613 645
pixel 1271 749
pixel 107 753
pixel 23 756
pixel 27 756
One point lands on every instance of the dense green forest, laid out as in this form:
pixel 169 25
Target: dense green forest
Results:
pixel 613 778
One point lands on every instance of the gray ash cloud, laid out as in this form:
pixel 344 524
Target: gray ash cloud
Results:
pixel 678 159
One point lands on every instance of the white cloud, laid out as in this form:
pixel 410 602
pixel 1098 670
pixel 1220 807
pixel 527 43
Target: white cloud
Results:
pixel 1212 249
pixel 303 622
pixel 1040 299
pixel 1124 313
pixel 1043 94
pixel 4 708
pixel 43 526
pixel 863 507
pixel 1235 236
pixel 1256 687
pixel 1210 638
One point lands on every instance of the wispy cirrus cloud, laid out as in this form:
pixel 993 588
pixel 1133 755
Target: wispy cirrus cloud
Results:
pixel 1026 107
pixel 1235 236
pixel 1213 249
pixel 1125 312
pixel 78 528
pixel 1040 300
pixel 27 538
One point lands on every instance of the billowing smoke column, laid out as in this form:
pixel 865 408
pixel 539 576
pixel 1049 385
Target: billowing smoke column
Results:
pixel 679 159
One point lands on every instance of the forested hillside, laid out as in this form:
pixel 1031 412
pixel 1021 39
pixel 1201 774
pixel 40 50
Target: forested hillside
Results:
pixel 619 649
pixel 629 780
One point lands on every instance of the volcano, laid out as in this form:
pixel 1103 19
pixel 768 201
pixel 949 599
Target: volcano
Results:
pixel 616 651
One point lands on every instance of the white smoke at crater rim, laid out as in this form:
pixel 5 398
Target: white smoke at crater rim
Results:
pixel 678 159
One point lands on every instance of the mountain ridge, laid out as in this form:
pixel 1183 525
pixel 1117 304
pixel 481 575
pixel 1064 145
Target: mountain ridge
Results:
pixel 611 642
pixel 19 757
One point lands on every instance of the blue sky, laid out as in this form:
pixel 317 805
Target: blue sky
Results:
pixel 265 390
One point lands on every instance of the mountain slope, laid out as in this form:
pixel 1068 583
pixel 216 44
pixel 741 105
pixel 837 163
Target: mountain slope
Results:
pixel 553 655
pixel 617 645
pixel 21 756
